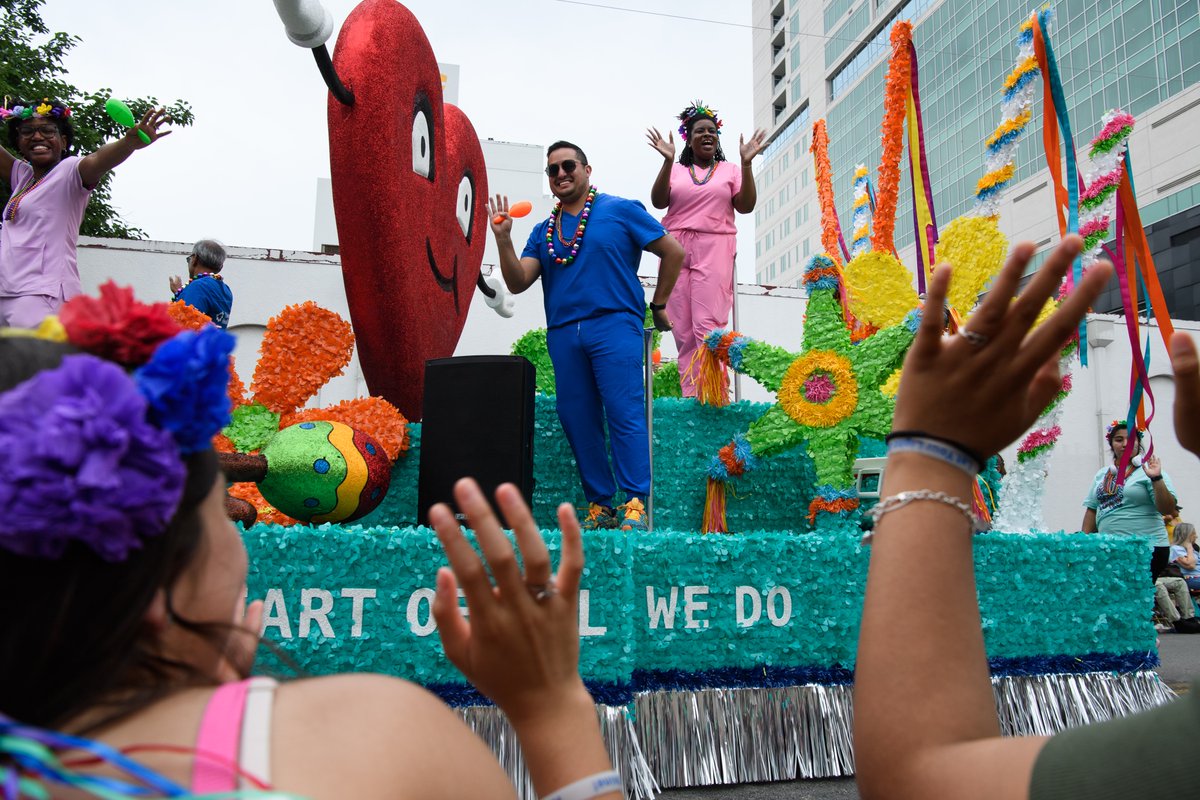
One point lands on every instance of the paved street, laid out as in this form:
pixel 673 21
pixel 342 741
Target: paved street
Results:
pixel 1180 655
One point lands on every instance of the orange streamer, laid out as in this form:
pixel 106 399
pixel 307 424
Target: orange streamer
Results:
pixel 714 508
pixel 899 84
pixel 829 223
pixel 1050 137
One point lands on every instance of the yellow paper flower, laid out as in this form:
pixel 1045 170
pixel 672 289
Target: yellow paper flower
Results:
pixel 44 109
pixel 819 389
pixel 975 248
pixel 880 288
pixel 892 384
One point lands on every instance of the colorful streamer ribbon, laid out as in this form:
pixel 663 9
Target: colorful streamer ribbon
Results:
pixel 924 220
pixel 1066 192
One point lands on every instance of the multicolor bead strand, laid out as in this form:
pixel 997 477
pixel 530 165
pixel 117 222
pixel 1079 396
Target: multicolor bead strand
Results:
pixel 198 276
pixel 14 202
pixel 576 241
pixel 692 171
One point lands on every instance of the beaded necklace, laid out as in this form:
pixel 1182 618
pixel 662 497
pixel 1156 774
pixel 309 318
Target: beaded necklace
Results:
pixel 711 169
pixel 198 276
pixel 14 202
pixel 576 241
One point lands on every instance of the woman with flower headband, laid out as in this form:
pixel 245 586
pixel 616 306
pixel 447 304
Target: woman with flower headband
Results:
pixel 39 227
pixel 700 194
pixel 132 633
pixel 1135 505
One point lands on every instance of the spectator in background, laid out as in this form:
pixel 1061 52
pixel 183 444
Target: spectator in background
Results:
pixel 1183 553
pixel 205 291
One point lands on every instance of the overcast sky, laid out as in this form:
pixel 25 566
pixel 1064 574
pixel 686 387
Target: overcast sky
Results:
pixel 531 71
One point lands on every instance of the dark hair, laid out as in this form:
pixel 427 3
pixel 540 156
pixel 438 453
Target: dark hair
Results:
pixel 687 157
pixel 62 123
pixel 1121 426
pixel 81 641
pixel 562 145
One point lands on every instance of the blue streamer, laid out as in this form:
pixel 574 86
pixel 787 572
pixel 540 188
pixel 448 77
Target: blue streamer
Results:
pixel 1064 121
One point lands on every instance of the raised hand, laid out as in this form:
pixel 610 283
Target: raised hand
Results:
pixel 176 284
pixel 748 150
pixel 1152 467
pixel 666 147
pixel 498 207
pixel 983 387
pixel 521 645
pixel 149 124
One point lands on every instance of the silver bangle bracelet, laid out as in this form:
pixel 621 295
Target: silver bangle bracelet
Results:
pixel 904 498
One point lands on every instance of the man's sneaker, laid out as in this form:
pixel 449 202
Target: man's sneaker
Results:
pixel 635 515
pixel 599 518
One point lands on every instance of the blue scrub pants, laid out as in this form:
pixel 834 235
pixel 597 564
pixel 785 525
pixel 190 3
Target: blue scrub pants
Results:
pixel 598 374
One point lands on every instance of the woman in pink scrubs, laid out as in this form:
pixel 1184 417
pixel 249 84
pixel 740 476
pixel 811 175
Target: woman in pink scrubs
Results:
pixel 39 226
pixel 700 193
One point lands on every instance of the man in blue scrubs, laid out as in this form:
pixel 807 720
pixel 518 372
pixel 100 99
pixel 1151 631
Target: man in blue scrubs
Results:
pixel 205 290
pixel 587 254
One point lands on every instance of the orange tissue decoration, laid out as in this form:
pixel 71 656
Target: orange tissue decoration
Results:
pixel 187 316
pixel 829 224
pixel 899 83
pixel 305 346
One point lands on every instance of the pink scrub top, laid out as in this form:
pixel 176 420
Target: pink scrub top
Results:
pixel 37 247
pixel 706 208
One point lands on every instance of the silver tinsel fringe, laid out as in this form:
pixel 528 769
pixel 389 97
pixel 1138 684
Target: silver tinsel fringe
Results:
pixel 728 736
pixel 1043 705
pixel 490 724
pixel 716 736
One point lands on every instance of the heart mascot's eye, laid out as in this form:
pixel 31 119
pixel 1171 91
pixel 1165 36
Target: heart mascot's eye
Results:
pixel 409 186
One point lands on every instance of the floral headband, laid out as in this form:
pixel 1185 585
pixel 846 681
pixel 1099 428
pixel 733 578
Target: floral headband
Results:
pixel 1120 423
pixel 93 453
pixel 46 108
pixel 697 109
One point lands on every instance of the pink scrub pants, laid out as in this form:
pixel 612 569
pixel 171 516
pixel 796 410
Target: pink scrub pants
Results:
pixel 702 297
pixel 27 311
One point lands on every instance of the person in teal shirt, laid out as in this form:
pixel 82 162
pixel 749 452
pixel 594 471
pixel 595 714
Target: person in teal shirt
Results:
pixel 1136 506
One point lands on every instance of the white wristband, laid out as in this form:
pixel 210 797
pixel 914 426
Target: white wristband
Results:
pixel 589 787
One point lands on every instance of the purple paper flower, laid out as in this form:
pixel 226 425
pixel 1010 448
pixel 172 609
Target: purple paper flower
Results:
pixel 186 383
pixel 82 463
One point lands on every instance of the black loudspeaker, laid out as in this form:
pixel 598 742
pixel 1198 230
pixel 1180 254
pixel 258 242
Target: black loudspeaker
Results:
pixel 478 423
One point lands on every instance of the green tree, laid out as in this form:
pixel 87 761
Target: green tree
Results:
pixel 31 67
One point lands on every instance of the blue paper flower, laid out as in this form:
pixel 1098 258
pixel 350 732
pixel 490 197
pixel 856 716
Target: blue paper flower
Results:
pixel 186 384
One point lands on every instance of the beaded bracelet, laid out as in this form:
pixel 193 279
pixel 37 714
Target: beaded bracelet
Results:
pixel 589 787
pixel 904 498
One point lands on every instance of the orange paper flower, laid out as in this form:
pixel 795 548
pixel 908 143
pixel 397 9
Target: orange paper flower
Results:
pixel 303 348
pixel 188 316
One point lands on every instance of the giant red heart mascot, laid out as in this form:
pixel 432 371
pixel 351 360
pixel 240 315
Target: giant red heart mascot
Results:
pixel 409 193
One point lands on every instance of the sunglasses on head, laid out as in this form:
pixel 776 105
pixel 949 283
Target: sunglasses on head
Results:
pixel 568 166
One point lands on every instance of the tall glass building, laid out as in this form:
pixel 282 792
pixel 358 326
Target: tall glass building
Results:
pixel 828 58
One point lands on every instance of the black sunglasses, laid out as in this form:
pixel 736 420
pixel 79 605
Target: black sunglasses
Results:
pixel 568 166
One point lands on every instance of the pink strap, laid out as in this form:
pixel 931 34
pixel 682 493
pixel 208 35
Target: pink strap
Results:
pixel 219 737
